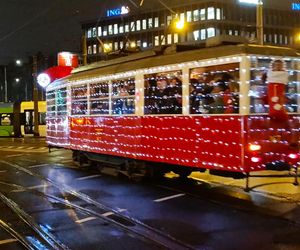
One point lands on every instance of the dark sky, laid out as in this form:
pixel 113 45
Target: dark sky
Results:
pixel 29 26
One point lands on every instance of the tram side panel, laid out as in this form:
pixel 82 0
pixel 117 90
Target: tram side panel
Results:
pixel 58 131
pixel 278 142
pixel 204 142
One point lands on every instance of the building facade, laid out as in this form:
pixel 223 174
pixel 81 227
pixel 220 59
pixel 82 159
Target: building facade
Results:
pixel 153 24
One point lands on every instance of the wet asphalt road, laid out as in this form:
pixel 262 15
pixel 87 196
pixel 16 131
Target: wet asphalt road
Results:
pixel 40 182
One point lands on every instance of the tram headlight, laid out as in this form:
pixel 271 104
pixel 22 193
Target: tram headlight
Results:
pixel 254 147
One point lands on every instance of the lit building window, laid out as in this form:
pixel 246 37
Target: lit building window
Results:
pixel 275 38
pixel 145 44
pixel 150 23
pixel 169 39
pixel 211 32
pixel 156 22
pixel 121 29
pixel 94 48
pixel 90 50
pixel 121 44
pixel 138 43
pixel 110 29
pixel 196 35
pixel 203 34
pixel 218 13
pixel 116 46
pixel 94 32
pixel 156 41
pixel 89 33
pixel 138 25
pixel 144 24
pixel 175 38
pixel 99 31
pixel 126 27
pixel 116 30
pixel 236 32
pixel 196 15
pixel 104 33
pixel 182 18
pixel 132 26
pixel 230 32
pixel 188 16
pixel 163 40
pixel 202 14
pixel 169 20
pixel 100 49
pixel 210 13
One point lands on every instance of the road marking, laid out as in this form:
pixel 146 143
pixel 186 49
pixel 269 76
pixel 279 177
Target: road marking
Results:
pixel 40 165
pixel 169 197
pixel 85 219
pixel 88 177
pixel 8 156
pixel 39 186
pixel 3 171
pixel 66 161
pixel 107 214
pixel 30 147
pixel 20 147
pixel 2 242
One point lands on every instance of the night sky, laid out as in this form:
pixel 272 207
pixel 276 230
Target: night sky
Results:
pixel 29 26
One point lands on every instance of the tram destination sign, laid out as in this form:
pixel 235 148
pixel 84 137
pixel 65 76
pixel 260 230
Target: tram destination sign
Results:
pixel 249 1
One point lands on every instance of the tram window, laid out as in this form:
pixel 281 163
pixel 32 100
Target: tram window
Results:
pixel 61 101
pixel 99 94
pixel 6 119
pixel 79 100
pixel 100 107
pixel 258 92
pixel 214 89
pixel 79 108
pixel 42 118
pixel 123 96
pixel 99 90
pixel 50 97
pixel 79 92
pixel 163 93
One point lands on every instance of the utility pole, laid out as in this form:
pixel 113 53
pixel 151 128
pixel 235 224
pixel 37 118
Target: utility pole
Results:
pixel 84 50
pixel 5 85
pixel 35 97
pixel 260 23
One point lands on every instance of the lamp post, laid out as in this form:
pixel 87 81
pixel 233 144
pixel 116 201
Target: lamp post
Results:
pixel 260 23
pixel 35 97
pixel 5 85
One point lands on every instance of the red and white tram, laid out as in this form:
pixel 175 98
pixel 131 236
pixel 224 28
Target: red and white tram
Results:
pixel 193 110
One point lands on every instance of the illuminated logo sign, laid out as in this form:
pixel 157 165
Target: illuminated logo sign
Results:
pixel 67 59
pixel 117 12
pixel 249 1
pixel 295 6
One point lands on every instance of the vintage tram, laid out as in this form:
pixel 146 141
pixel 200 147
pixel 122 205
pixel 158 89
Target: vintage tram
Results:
pixel 194 110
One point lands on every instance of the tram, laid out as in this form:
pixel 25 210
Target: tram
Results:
pixel 17 119
pixel 195 110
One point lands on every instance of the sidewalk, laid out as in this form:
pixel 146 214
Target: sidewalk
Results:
pixel 278 195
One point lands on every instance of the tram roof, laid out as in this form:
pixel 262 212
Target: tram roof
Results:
pixel 156 58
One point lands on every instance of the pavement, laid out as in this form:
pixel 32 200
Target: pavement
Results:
pixel 273 193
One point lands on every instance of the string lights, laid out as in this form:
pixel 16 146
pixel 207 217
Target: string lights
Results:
pixel 101 114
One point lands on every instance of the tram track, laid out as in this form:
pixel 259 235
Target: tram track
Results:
pixel 36 237
pixel 125 222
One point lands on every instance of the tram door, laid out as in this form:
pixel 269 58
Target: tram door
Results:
pixel 29 121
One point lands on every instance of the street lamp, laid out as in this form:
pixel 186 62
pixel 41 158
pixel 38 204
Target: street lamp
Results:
pixel 18 62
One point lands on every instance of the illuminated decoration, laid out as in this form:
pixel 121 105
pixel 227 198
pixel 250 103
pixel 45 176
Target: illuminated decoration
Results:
pixel 52 74
pixel 197 139
pixel 118 11
pixel 277 80
pixel 295 6
pixel 67 59
pixel 43 80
